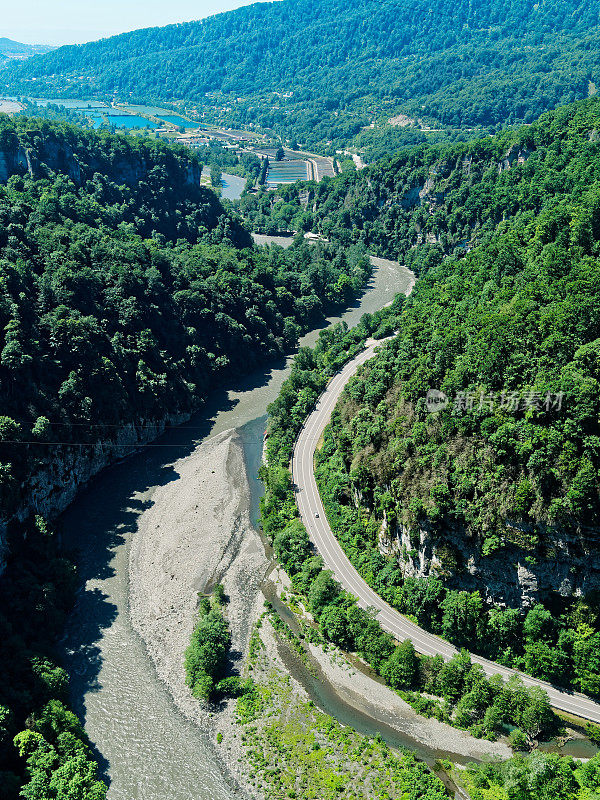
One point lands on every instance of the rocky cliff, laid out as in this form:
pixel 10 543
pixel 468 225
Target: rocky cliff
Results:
pixel 515 576
pixel 54 485
pixel 446 174
pixel 40 155
pixel 57 481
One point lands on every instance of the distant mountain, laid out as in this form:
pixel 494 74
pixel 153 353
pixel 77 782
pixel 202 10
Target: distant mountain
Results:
pixel 322 69
pixel 16 50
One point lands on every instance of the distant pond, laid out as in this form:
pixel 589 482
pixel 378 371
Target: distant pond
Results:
pixel 129 121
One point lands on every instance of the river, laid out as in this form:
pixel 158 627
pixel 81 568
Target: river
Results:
pixel 147 749
pixel 232 186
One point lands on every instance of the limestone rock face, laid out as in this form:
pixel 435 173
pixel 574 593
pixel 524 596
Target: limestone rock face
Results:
pixel 58 156
pixel 12 163
pixel 566 565
pixel 52 487
pixel 514 155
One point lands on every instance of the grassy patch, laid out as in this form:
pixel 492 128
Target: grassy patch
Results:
pixel 293 750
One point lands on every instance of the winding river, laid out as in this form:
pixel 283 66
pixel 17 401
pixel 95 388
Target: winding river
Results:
pixel 147 749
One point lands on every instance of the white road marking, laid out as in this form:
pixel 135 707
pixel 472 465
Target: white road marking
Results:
pixel 309 503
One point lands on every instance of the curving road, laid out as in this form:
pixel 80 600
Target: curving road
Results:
pixel 309 504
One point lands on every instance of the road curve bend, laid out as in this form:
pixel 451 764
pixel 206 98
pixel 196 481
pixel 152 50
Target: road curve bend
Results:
pixel 320 533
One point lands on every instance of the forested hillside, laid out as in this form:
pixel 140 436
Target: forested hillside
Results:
pixel 127 292
pixel 493 494
pixel 320 70
pixel 10 49
pixel 123 302
pixel 430 201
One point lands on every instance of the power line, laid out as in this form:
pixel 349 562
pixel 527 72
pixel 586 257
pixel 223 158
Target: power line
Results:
pixel 88 444
pixel 108 425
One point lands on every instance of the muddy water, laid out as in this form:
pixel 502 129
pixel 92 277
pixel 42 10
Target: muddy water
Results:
pixel 146 748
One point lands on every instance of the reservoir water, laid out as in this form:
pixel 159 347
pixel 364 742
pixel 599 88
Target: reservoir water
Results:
pixel 146 748
pixel 129 121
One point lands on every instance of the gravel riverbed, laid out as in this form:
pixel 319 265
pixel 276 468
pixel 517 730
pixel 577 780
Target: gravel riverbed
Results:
pixel 196 533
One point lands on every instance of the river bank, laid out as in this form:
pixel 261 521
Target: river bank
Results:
pixel 347 688
pixel 148 748
pixel 197 533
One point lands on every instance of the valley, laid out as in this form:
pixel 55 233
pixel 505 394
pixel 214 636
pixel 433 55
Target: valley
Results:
pixel 162 491
pixel 245 150
pixel 300 404
pixel 313 516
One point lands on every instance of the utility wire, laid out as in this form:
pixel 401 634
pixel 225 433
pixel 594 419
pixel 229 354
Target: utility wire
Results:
pixel 88 444
pixel 107 425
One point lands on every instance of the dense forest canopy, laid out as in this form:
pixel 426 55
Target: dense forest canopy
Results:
pixel 461 63
pixel 514 309
pixel 505 321
pixel 126 301
pixel 430 201
pixel 507 326
pixel 456 692
pixel 127 292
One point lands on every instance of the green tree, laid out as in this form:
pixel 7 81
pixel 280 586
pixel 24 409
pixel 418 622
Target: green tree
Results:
pixel 334 626
pixel 216 176
pixel 537 716
pixel 206 656
pixel 452 678
pixel 586 658
pixel 463 618
pixel 539 624
pixel 323 592
pixel 400 670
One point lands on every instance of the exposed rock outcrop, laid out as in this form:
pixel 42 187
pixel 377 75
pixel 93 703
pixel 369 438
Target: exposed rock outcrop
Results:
pixel 514 155
pixel 52 487
pixel 512 575
pixel 48 154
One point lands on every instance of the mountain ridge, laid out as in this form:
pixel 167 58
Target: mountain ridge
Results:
pixel 10 49
pixel 463 64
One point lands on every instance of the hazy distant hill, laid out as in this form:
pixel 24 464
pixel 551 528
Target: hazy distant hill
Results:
pixel 16 50
pixel 321 69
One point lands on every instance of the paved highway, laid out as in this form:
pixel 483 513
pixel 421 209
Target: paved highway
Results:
pixel 309 504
